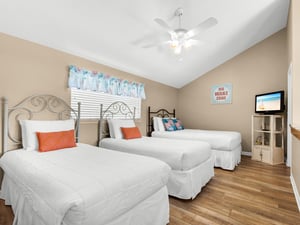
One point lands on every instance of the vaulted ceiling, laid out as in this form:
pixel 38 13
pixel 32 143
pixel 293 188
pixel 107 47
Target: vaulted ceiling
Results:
pixel 115 32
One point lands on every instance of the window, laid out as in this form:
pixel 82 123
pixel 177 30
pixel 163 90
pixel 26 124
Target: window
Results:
pixel 91 101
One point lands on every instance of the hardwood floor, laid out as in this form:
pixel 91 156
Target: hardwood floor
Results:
pixel 255 193
pixel 6 214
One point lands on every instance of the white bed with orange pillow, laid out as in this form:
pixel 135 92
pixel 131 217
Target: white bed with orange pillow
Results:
pixel 84 185
pixel 191 162
pixel 52 180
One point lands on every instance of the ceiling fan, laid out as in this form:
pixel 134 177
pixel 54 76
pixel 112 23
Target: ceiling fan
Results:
pixel 182 38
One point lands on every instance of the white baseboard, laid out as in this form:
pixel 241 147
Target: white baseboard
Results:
pixel 247 153
pixel 296 193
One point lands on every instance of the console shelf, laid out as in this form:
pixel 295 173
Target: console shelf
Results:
pixel 267 138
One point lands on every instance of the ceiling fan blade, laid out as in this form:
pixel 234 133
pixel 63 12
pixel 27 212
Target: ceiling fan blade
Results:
pixel 150 45
pixel 155 44
pixel 210 22
pixel 193 42
pixel 165 26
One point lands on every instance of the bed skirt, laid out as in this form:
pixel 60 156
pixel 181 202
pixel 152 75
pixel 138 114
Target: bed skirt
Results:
pixel 227 160
pixel 187 184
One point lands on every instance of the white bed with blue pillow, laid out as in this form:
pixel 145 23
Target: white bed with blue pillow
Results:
pixel 225 145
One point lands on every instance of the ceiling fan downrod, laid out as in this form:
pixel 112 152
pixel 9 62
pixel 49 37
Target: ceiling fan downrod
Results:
pixel 179 13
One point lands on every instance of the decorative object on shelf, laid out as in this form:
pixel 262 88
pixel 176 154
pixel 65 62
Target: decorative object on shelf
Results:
pixel 221 94
pixel 96 81
pixel 258 140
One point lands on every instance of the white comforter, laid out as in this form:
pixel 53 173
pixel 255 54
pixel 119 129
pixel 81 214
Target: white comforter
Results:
pixel 83 185
pixel 220 140
pixel 179 154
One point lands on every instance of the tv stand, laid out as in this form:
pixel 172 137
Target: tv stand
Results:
pixel 267 138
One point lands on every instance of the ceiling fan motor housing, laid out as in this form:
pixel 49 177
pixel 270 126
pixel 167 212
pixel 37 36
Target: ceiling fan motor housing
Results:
pixel 179 12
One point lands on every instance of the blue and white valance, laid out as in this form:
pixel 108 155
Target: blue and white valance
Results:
pixel 95 81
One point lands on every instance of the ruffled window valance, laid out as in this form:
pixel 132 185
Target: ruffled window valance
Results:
pixel 96 81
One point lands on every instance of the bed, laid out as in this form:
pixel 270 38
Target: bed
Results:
pixel 77 184
pixel 192 162
pixel 225 145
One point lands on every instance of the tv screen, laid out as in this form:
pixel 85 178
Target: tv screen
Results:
pixel 272 102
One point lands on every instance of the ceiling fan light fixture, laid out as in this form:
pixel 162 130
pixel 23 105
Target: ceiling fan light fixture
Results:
pixel 187 43
pixel 180 38
pixel 177 50
pixel 174 44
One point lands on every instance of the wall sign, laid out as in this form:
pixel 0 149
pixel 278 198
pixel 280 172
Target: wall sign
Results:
pixel 221 94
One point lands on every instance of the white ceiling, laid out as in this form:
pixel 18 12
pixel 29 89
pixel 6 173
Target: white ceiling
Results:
pixel 112 32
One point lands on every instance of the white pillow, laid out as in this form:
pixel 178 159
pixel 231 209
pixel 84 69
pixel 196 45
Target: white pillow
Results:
pixel 158 124
pixel 115 126
pixel 30 127
pixel 110 128
pixel 154 123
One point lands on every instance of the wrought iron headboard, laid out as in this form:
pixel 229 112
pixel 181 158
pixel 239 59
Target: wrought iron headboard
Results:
pixel 34 107
pixel 159 113
pixel 119 110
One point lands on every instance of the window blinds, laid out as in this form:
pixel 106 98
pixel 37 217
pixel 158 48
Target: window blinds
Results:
pixel 91 100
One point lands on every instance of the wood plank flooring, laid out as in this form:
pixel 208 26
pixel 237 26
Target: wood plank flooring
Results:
pixel 6 214
pixel 255 193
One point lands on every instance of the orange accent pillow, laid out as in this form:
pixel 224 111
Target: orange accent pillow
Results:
pixel 131 132
pixel 49 141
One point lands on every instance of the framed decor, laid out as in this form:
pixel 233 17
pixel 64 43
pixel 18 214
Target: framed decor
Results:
pixel 221 94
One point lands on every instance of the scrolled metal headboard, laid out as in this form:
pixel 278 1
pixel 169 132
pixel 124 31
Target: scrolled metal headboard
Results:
pixel 34 107
pixel 159 113
pixel 118 110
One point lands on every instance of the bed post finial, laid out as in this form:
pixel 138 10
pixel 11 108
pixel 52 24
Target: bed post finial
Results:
pixel 4 124
pixel 101 110
pixel 134 113
pixel 148 131
pixel 78 121
pixel 100 124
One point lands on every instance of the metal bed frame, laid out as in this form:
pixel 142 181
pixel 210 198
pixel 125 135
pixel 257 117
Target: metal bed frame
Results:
pixel 118 110
pixel 32 108
pixel 159 113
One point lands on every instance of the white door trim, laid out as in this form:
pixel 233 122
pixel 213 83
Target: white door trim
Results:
pixel 289 116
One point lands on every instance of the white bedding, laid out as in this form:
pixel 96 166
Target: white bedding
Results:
pixel 188 184
pixel 192 162
pixel 178 154
pixel 227 160
pixel 81 185
pixel 221 140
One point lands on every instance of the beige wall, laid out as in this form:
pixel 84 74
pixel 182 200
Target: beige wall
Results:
pixel 28 68
pixel 294 57
pixel 260 69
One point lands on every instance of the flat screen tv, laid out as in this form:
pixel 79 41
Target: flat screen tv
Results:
pixel 268 103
